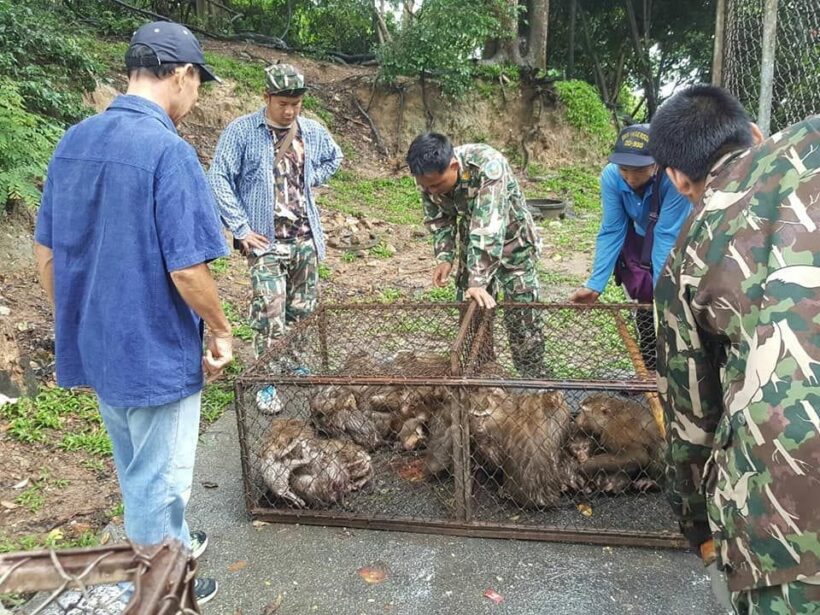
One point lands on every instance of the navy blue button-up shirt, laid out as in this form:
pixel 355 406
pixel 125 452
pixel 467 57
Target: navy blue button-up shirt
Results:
pixel 125 203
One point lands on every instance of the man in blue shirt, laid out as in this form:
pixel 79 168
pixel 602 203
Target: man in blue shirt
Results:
pixel 627 189
pixel 264 170
pixel 126 227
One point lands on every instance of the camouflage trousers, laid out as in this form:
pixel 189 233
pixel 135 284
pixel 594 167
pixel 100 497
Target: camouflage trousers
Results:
pixel 285 290
pixel 796 598
pixel 524 326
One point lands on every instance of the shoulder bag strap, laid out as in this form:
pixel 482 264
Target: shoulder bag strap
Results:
pixel 654 213
pixel 284 145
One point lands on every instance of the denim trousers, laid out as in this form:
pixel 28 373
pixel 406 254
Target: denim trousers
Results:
pixel 154 451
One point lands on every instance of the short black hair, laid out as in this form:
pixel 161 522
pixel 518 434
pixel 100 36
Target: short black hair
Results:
pixel 140 58
pixel 430 152
pixel 695 127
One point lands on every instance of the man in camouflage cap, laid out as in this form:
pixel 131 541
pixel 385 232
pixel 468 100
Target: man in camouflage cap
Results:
pixel 476 211
pixel 739 347
pixel 264 168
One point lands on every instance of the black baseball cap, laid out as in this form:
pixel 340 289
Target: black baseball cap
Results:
pixel 632 147
pixel 171 42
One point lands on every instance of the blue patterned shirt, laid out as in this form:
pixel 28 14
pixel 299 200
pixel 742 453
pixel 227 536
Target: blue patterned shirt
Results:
pixel 242 175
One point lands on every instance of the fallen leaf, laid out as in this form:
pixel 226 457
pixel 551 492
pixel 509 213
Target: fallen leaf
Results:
pixel 373 574
pixel 56 534
pixel 257 523
pixel 8 505
pixel 209 485
pixel 494 596
pixel 237 566
pixel 274 605
pixel 105 538
pixel 585 509
pixel 21 484
pixel 412 471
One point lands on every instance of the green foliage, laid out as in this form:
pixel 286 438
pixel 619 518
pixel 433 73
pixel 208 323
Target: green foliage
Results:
pixel 388 295
pixel 52 411
pixel 390 199
pixel 381 250
pixel 575 183
pixel 440 293
pixel 349 256
pixel 315 106
pixel 627 103
pixel 215 399
pixel 26 143
pixel 330 25
pixel 48 62
pixel 220 266
pixel 249 77
pixel 240 326
pixel 585 111
pixel 441 41
pixel 325 272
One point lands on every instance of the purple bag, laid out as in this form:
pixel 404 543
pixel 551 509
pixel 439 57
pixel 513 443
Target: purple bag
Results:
pixel 634 267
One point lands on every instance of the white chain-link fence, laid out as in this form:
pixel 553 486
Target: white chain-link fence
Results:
pixel 768 56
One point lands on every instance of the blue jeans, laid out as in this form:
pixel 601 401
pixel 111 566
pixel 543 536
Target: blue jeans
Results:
pixel 154 450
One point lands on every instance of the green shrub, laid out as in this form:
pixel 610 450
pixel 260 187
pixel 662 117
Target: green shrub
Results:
pixel 26 143
pixel 585 111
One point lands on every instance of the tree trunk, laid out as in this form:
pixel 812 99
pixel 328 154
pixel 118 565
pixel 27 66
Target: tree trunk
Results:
pixel 507 50
pixel 573 7
pixel 642 53
pixel 381 27
pixel 600 79
pixel 537 36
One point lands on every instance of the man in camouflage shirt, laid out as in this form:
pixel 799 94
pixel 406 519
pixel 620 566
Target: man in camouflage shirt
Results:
pixel 474 207
pixel 739 347
pixel 264 168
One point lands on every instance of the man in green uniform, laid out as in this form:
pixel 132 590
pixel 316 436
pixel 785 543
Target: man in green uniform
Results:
pixel 739 347
pixel 474 207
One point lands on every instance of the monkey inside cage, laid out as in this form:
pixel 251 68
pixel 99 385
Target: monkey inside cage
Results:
pixel 534 421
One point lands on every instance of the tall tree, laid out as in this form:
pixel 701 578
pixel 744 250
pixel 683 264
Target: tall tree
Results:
pixel 537 29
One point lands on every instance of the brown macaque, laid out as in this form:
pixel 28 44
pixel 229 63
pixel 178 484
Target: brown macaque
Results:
pixel 630 442
pixel 523 435
pixel 373 416
pixel 300 467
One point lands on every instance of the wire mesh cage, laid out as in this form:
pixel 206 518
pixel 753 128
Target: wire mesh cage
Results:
pixel 109 580
pixel 530 420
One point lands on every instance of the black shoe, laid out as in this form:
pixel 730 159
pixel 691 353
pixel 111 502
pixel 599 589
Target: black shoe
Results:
pixel 205 589
pixel 199 541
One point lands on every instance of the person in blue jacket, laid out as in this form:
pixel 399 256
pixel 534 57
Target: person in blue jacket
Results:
pixel 627 186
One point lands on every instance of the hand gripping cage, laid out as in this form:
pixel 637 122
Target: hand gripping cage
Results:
pixel 537 421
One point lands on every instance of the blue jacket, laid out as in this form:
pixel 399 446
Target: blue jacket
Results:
pixel 242 177
pixel 622 206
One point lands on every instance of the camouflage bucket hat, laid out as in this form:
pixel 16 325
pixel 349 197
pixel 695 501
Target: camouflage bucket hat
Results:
pixel 284 79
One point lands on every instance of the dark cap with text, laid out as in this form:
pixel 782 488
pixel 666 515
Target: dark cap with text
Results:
pixel 171 43
pixel 632 147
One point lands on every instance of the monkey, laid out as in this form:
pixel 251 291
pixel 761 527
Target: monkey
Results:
pixel 373 416
pixel 628 443
pixel 523 435
pixel 303 469
pixel 520 436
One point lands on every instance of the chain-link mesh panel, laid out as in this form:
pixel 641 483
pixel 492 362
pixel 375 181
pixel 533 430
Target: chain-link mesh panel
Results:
pixel 796 84
pixel 532 420
pixel 109 580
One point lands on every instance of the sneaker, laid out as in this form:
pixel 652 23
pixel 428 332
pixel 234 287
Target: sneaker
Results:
pixel 199 540
pixel 267 401
pixel 205 589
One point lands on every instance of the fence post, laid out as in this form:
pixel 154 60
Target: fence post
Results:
pixel 720 43
pixel 764 114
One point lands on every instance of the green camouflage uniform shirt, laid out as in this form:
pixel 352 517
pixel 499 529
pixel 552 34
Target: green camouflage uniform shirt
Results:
pixel 487 216
pixel 738 308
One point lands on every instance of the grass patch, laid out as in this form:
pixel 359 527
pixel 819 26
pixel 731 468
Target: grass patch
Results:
pixel 215 399
pixel 395 200
pixel 220 266
pixel 325 272
pixel 249 77
pixel 439 293
pixel 381 251
pixel 388 295
pixel 349 256
pixel 94 442
pixel 240 327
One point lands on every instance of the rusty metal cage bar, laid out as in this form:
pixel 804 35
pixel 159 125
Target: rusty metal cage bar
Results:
pixel 163 576
pixel 471 345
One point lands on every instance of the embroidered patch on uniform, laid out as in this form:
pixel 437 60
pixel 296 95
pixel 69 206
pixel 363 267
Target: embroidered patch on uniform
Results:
pixel 493 169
